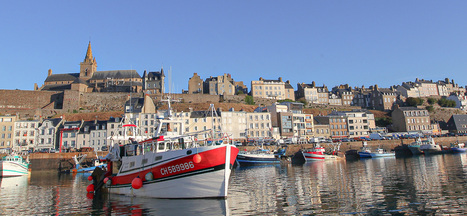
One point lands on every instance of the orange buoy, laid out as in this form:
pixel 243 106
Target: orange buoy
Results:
pixel 90 178
pixel 90 188
pixel 137 183
pixel 197 158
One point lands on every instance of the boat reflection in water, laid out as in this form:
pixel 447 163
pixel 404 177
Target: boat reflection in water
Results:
pixel 127 205
pixel 17 182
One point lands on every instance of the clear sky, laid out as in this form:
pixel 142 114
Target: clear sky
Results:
pixel 355 42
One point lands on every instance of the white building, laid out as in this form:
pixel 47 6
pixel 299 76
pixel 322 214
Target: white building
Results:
pixel 25 135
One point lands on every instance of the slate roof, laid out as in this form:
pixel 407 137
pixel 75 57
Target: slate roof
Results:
pixel 203 114
pixel 157 74
pixel 89 126
pixel 116 74
pixel 410 108
pixel 288 86
pixel 136 103
pixel 62 77
pixel 458 121
pixel 56 87
pixel 54 121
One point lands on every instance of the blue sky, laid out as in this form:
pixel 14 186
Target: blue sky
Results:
pixel 355 42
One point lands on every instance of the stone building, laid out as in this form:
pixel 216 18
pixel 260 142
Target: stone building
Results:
pixel 337 125
pixel 153 82
pixel 195 85
pixel 382 98
pixel 407 119
pixel 90 80
pixel 273 89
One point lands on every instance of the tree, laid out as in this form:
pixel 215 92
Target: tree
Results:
pixel 411 101
pixel 446 102
pixel 249 100
pixel 432 101
pixel 430 108
pixel 383 122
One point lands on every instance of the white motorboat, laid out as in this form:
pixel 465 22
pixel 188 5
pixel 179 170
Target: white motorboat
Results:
pixel 13 165
pixel 430 147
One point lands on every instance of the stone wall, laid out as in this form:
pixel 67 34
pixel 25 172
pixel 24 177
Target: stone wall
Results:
pixel 27 103
pixel 105 101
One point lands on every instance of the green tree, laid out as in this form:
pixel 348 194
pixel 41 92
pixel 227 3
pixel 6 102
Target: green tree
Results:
pixel 430 108
pixel 432 101
pixel 383 122
pixel 249 100
pixel 446 102
pixel 411 101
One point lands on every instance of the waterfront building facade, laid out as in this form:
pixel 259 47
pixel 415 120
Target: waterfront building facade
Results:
pixel 7 124
pixel 408 119
pixel 25 134
pixel 48 134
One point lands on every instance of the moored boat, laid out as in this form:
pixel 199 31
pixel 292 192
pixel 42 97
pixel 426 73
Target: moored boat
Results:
pixel 81 167
pixel 458 148
pixel 430 147
pixel 318 153
pixel 382 153
pixel 260 157
pixel 364 152
pixel 169 165
pixel 13 165
pixel 415 147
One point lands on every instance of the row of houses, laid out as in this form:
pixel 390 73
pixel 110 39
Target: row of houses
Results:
pixel 278 121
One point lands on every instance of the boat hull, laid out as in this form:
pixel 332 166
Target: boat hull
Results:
pixel 415 150
pixel 178 174
pixel 317 156
pixel 364 154
pixel 257 159
pixel 458 150
pixel 376 155
pixel 13 168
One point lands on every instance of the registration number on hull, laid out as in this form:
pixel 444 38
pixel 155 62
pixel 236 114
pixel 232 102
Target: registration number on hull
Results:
pixel 177 168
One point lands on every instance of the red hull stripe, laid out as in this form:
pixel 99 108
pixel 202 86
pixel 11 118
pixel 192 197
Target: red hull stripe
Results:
pixel 179 165
pixel 178 176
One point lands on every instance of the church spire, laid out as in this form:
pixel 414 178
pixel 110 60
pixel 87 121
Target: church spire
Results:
pixel 88 53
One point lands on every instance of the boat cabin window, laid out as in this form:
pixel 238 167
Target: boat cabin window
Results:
pixel 161 146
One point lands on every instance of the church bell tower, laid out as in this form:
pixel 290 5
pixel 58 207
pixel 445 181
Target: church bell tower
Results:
pixel 88 66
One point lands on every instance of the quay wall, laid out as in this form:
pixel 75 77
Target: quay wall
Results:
pixel 385 144
pixel 64 161
pixel 57 161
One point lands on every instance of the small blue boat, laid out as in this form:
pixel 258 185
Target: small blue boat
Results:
pixel 382 153
pixel 458 148
pixel 364 152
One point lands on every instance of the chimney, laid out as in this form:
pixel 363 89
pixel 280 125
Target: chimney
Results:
pixel 261 78
pixel 313 84
pixel 191 109
pixel 50 72
pixel 376 87
pixel 280 79
pixel 417 80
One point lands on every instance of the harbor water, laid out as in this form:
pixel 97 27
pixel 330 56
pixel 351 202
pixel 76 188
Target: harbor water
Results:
pixel 419 185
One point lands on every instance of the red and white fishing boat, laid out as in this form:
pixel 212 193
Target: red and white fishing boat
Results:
pixel 170 165
pixel 318 153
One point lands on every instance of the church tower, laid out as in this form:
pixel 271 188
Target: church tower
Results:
pixel 88 66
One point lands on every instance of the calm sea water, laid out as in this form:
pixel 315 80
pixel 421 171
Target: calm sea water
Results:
pixel 422 185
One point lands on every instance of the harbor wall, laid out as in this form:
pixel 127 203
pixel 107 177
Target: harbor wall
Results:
pixel 64 161
pixel 57 161
pixel 385 144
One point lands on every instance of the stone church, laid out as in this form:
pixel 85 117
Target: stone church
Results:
pixel 90 80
